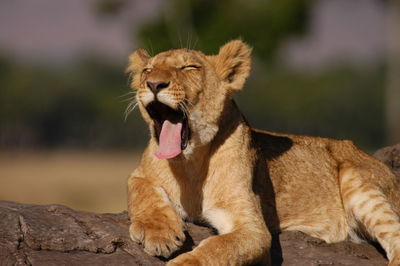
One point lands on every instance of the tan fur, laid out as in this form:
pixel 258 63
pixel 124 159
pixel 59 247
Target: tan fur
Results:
pixel 247 183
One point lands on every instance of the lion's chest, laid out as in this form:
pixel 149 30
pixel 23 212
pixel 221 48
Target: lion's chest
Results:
pixel 187 194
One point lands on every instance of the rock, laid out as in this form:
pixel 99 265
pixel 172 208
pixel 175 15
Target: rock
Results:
pixel 300 249
pixel 57 235
pixel 391 157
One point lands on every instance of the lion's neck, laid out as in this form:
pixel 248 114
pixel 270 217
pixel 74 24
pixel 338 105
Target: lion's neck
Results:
pixel 230 120
pixel 192 173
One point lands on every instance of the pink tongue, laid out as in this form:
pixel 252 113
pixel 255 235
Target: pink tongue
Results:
pixel 170 140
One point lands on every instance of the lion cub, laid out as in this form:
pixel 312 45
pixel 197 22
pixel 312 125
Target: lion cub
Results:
pixel 205 163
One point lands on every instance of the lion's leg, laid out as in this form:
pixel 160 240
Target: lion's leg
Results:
pixel 239 247
pixel 240 242
pixel 155 224
pixel 234 248
pixel 370 207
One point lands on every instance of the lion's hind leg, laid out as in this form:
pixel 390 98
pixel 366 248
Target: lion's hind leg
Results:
pixel 369 208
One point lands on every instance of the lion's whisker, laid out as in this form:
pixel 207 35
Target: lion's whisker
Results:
pixel 189 103
pixel 195 43
pixel 129 109
pixel 184 109
pixel 128 94
pixel 128 99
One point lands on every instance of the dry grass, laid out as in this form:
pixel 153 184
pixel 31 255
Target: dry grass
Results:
pixel 91 181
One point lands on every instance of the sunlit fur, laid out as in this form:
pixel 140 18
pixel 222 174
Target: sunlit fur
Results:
pixel 244 182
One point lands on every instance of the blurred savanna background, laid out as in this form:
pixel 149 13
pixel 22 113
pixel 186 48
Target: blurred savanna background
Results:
pixel 322 68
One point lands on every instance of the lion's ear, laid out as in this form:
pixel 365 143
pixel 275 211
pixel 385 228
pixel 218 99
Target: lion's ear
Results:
pixel 137 60
pixel 233 63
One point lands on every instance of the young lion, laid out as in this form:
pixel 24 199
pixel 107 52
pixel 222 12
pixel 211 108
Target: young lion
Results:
pixel 204 163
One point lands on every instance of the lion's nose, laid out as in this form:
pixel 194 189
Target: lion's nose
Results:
pixel 155 87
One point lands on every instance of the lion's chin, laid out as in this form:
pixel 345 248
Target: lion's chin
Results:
pixel 171 129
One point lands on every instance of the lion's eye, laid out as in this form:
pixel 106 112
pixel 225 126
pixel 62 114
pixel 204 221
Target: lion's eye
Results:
pixel 146 70
pixel 189 67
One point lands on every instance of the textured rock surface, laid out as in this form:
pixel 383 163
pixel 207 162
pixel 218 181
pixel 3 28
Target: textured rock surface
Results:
pixel 391 157
pixel 58 235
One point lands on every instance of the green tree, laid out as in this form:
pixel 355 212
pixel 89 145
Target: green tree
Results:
pixel 207 24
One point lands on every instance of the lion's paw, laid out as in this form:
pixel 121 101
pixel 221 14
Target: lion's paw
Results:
pixel 186 259
pixel 158 239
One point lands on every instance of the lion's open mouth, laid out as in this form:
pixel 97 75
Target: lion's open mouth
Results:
pixel 171 129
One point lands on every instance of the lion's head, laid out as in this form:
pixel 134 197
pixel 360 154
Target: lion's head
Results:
pixel 181 93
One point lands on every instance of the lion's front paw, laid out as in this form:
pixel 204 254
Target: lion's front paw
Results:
pixel 186 259
pixel 158 238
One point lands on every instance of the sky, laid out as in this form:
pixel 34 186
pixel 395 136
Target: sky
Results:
pixel 59 30
pixel 341 30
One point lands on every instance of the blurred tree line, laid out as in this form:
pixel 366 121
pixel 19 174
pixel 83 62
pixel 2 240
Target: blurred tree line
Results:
pixel 80 105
